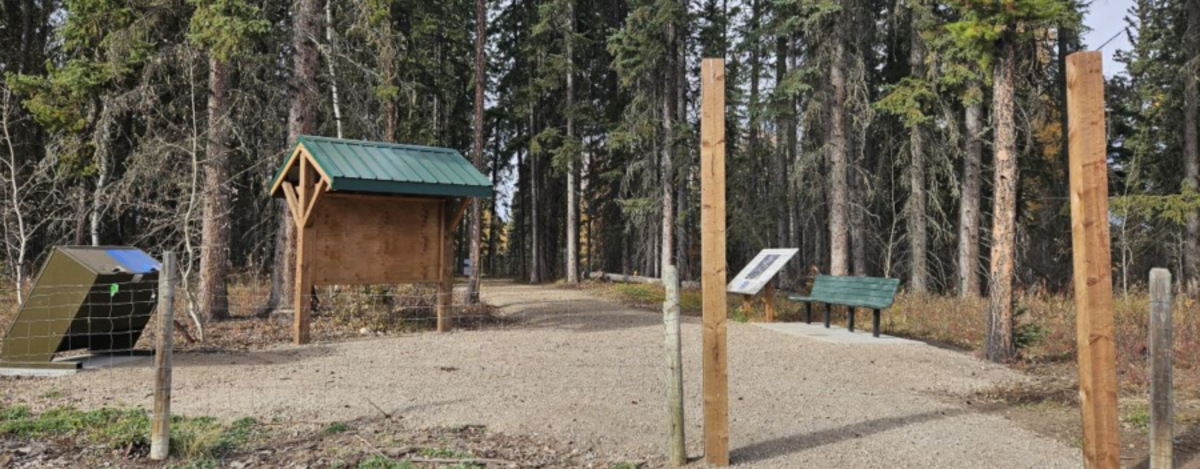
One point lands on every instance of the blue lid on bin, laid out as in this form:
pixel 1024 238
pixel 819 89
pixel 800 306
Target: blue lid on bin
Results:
pixel 134 260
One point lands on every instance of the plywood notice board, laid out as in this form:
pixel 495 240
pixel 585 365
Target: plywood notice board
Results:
pixel 361 240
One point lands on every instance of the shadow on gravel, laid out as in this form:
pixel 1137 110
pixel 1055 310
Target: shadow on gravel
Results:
pixel 777 447
pixel 576 315
pixel 1187 449
pixel 592 320
pixel 219 357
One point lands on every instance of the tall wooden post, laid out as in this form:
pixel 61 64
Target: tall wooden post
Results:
pixel 1162 399
pixel 712 242
pixel 1093 261
pixel 304 241
pixel 160 427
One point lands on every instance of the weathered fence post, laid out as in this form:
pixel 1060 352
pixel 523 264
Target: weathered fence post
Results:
pixel 674 351
pixel 160 428
pixel 712 260
pixel 1097 351
pixel 1162 399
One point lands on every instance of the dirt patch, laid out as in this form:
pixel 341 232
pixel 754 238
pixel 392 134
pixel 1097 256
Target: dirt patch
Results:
pixel 363 443
pixel 1048 404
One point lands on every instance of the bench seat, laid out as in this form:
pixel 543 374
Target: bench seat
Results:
pixel 873 293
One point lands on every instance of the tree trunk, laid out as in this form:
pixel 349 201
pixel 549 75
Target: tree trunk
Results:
pixel 302 119
pixel 668 272
pixel 102 132
pixel 331 62
pixel 754 105
pixel 476 207
pixel 858 223
pixel 1000 346
pixel 839 210
pixel 214 235
pixel 779 199
pixel 572 166
pixel 15 200
pixel 1191 148
pixel 535 264
pixel 968 213
pixel 917 238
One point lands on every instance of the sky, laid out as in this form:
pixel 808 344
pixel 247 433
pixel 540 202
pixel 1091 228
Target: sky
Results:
pixel 1107 18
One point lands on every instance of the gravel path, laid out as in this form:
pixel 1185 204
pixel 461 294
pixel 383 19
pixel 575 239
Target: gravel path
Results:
pixel 588 372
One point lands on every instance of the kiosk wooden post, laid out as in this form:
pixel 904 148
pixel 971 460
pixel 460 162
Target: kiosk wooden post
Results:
pixel 712 242
pixel 1093 260
pixel 305 237
pixel 454 211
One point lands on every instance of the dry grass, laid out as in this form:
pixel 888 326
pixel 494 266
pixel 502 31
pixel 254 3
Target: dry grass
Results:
pixel 1045 327
pixel 338 313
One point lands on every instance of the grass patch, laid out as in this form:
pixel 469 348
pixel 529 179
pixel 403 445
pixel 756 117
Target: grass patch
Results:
pixel 335 428
pixel 193 438
pixel 381 462
pixel 52 394
pixel 444 453
pixel 1138 416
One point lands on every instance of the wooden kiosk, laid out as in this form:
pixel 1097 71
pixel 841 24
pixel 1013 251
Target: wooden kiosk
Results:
pixel 374 213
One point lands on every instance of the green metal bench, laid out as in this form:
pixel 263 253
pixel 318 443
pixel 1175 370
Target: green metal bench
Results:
pixel 855 292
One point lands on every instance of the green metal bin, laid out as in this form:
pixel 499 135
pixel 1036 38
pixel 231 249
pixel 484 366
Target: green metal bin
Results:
pixel 93 298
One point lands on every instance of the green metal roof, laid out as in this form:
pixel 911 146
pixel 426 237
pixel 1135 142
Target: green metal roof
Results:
pixel 390 168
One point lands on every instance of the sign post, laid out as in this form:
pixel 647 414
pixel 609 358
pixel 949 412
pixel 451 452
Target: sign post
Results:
pixel 757 276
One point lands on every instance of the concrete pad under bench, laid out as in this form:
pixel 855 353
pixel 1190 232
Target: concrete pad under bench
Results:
pixel 834 335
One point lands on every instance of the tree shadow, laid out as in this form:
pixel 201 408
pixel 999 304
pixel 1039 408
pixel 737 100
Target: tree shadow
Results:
pixel 582 316
pixel 1187 450
pixel 783 446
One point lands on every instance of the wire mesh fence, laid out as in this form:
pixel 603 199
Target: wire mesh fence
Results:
pixel 62 326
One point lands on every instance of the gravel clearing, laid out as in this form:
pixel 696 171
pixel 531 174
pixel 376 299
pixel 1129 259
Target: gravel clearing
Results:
pixel 588 373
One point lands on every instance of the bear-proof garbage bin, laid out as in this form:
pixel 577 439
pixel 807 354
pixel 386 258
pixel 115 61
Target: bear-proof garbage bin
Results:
pixel 93 298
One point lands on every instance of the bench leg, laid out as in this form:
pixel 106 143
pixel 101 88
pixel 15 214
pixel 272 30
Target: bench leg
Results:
pixel 850 320
pixel 875 324
pixel 827 315
pixel 808 312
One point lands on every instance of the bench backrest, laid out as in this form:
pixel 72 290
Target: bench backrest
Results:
pixel 867 292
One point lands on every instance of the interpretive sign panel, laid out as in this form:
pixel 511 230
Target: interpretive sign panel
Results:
pixel 760 270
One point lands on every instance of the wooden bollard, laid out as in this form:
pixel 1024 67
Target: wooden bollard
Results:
pixel 160 427
pixel 1162 399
